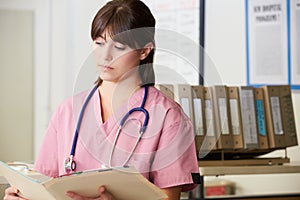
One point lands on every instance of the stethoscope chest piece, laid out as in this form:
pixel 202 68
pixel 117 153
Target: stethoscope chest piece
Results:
pixel 70 164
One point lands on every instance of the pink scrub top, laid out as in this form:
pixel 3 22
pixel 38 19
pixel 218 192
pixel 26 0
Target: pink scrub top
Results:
pixel 165 155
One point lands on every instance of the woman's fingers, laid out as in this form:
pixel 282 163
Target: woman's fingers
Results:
pixel 11 190
pixel 11 193
pixel 103 195
pixel 101 189
pixel 74 196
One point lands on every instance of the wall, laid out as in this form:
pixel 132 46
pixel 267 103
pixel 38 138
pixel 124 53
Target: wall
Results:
pixel 225 46
pixel 40 65
pixel 16 85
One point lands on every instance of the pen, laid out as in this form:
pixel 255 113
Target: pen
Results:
pixel 80 172
pixel 74 173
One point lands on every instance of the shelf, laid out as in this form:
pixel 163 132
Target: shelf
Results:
pixel 244 170
pixel 295 196
pixel 244 162
pixel 218 170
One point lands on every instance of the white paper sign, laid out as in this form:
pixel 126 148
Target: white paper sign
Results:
pixel 295 42
pixel 267 42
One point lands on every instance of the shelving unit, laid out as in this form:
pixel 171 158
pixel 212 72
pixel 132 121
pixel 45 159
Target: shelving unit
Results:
pixel 249 170
pixel 245 162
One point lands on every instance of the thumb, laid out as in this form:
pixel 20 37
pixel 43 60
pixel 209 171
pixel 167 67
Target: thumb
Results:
pixel 73 195
pixel 102 189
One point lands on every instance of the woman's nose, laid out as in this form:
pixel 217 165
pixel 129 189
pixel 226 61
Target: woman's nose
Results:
pixel 108 57
pixel 107 54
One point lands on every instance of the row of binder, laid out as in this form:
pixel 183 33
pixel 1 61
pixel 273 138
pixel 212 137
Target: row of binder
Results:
pixel 237 117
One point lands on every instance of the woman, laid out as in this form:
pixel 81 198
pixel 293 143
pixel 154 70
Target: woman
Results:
pixel 123 35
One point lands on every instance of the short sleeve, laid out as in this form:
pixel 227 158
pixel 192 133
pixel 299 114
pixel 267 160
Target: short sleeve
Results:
pixel 175 160
pixel 47 160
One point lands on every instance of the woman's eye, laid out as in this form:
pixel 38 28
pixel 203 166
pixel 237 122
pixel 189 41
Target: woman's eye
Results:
pixel 99 43
pixel 120 47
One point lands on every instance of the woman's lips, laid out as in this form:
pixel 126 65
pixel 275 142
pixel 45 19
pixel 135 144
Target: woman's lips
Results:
pixel 106 68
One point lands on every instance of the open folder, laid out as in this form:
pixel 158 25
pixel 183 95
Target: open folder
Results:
pixel 123 182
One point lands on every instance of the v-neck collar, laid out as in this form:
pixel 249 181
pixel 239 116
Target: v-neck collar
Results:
pixel 134 101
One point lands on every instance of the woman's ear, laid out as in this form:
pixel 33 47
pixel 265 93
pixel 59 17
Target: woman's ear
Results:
pixel 146 50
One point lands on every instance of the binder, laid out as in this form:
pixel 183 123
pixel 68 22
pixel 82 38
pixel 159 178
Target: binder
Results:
pixel 288 118
pixel 261 118
pixel 167 89
pixel 222 117
pixel 122 182
pixel 250 135
pixel 210 140
pixel 199 118
pixel 183 96
pixel 235 117
pixel 276 136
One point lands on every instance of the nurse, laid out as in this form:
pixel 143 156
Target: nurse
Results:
pixel 123 37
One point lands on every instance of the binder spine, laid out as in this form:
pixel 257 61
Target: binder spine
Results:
pixel 167 89
pixel 261 118
pixel 288 116
pixel 235 116
pixel 183 96
pixel 199 118
pixel 249 117
pixel 222 120
pixel 276 136
pixel 210 140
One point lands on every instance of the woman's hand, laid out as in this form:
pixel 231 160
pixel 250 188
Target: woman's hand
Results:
pixel 11 193
pixel 103 195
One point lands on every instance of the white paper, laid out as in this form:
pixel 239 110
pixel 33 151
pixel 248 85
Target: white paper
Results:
pixel 235 123
pixel 210 131
pixel 184 102
pixel 277 122
pixel 248 117
pixel 223 116
pixel 267 42
pixel 295 42
pixel 178 50
pixel 198 116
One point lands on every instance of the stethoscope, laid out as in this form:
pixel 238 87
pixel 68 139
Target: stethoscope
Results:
pixel 70 163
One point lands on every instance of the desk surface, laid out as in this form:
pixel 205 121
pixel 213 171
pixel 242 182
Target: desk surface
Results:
pixel 244 170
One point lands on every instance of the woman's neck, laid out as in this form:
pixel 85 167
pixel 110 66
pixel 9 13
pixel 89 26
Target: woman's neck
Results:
pixel 123 87
pixel 114 95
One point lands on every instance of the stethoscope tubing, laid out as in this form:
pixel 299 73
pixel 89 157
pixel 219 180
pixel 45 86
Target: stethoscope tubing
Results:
pixel 141 131
pixel 80 120
pixel 141 109
pixel 71 162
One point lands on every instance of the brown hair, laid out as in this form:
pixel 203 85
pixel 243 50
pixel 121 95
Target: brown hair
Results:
pixel 129 22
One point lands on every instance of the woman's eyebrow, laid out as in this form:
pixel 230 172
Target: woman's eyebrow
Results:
pixel 102 37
